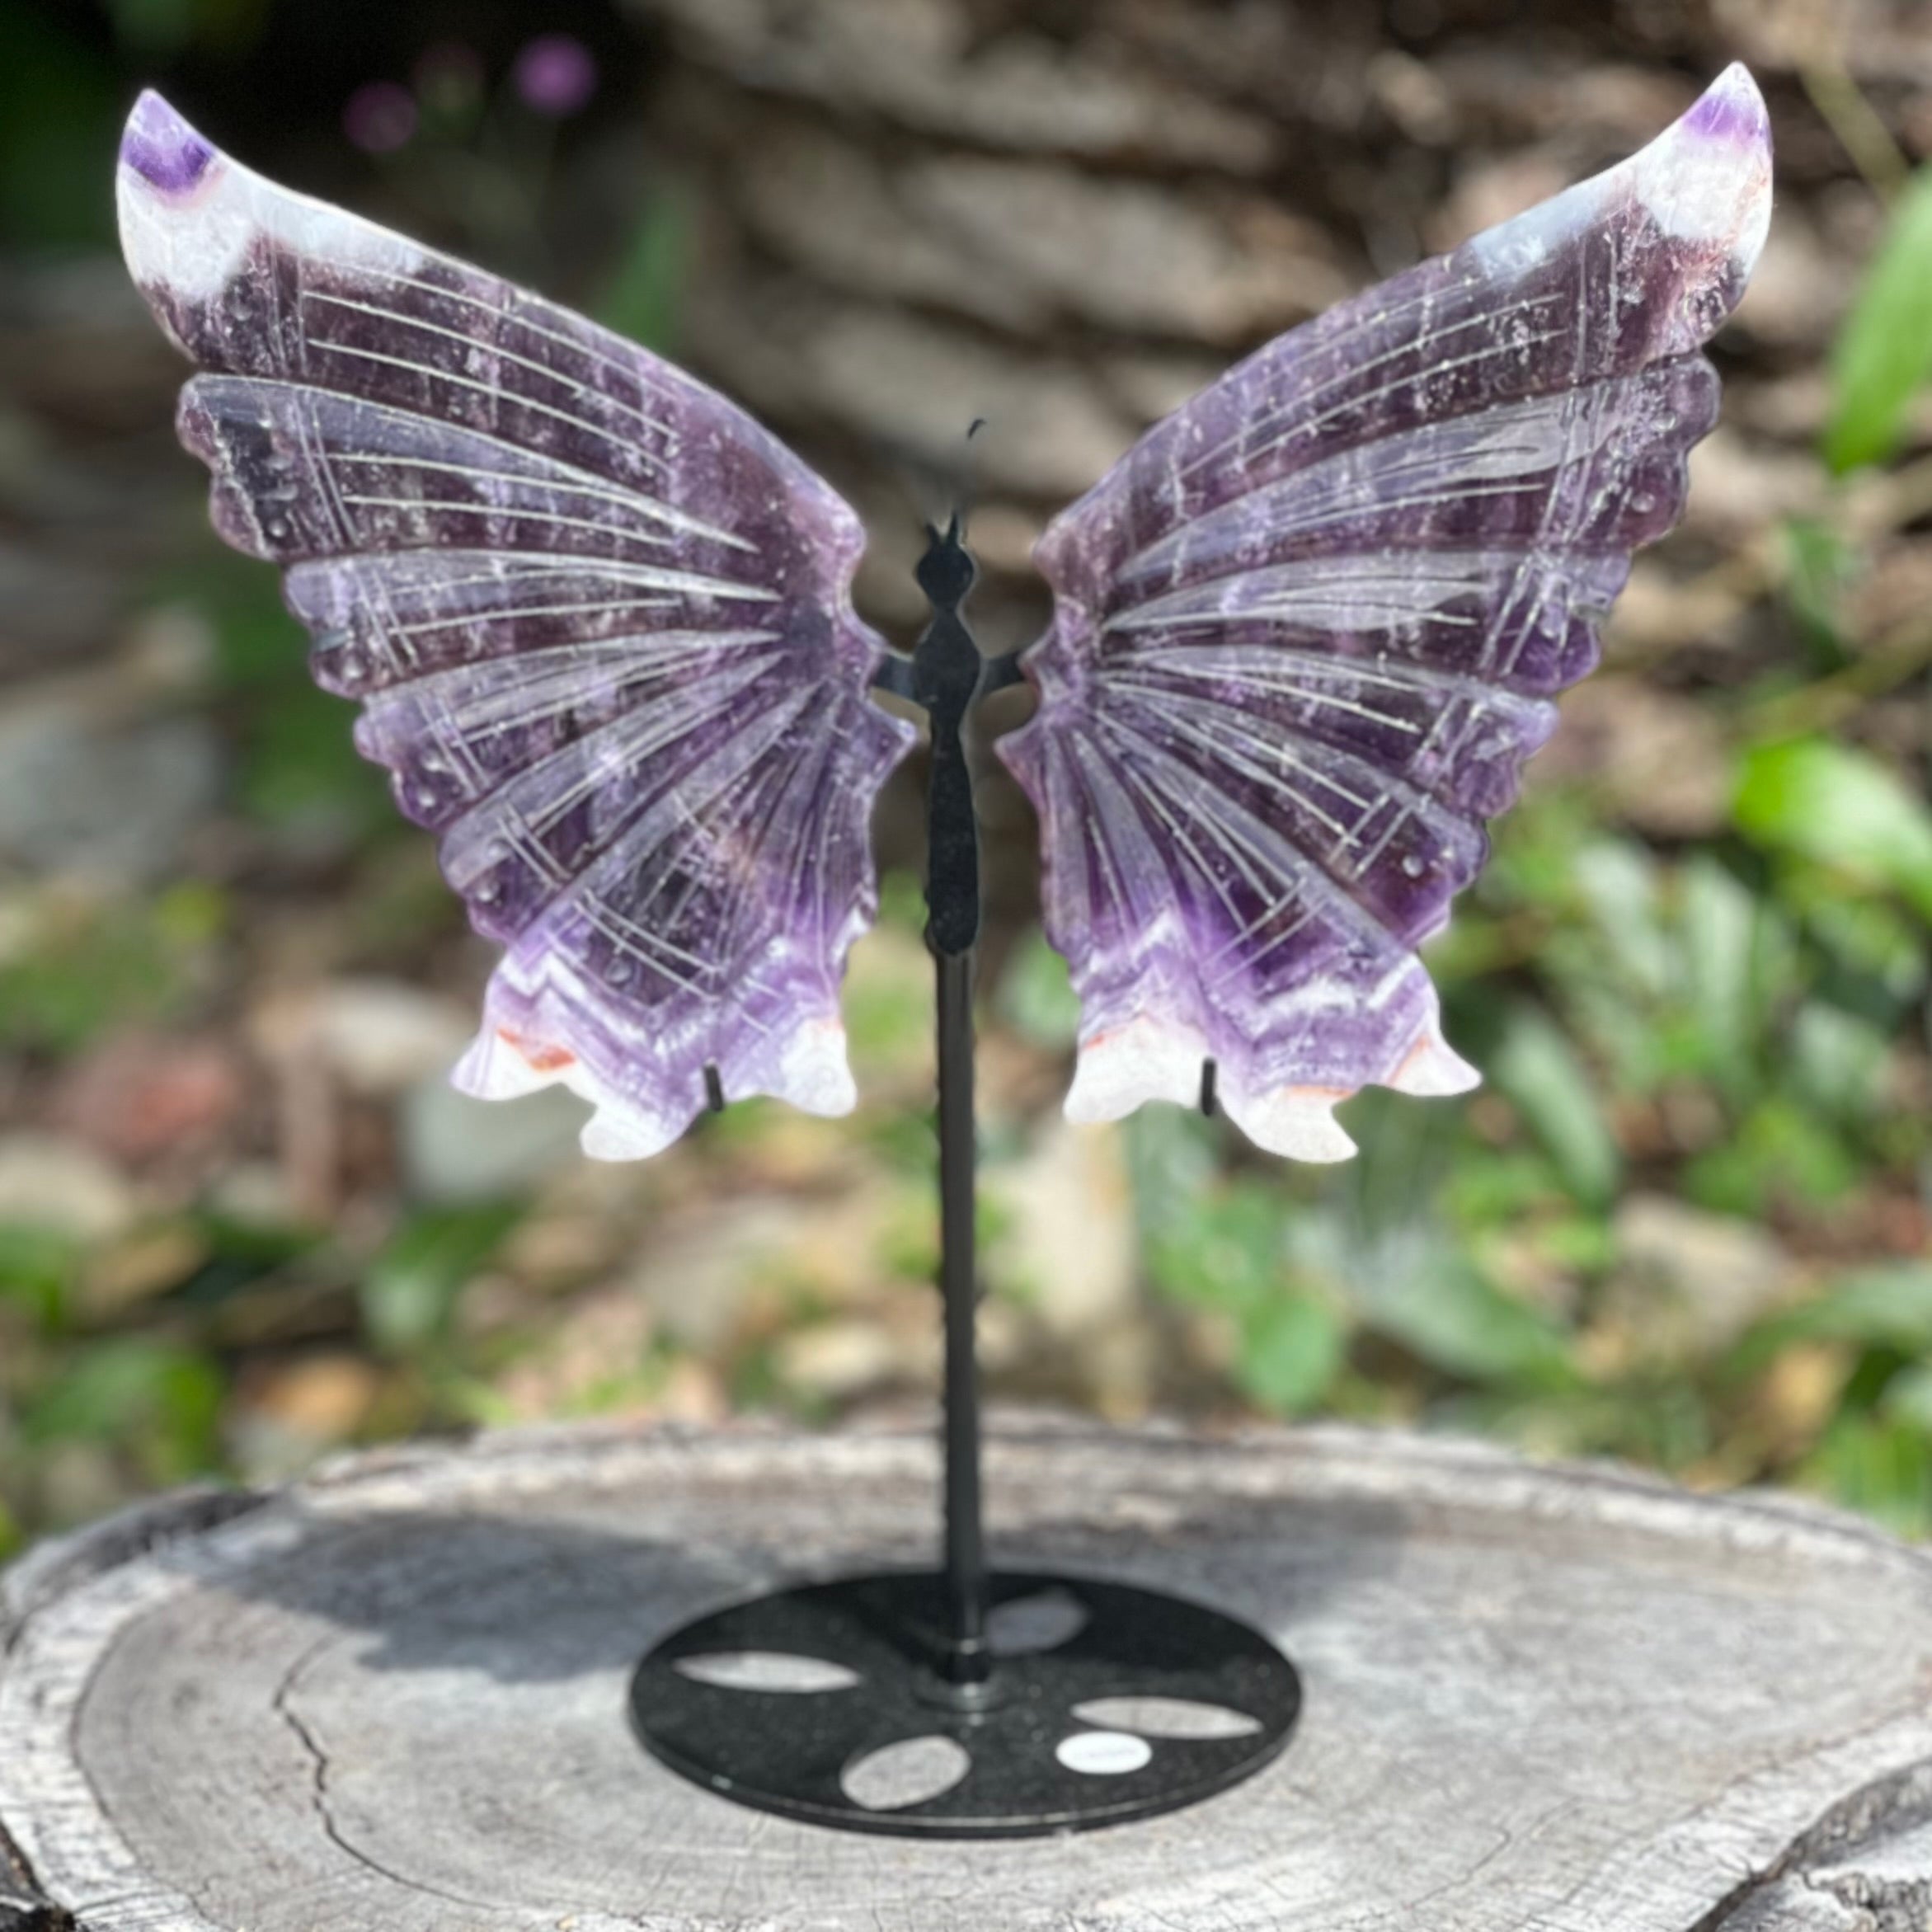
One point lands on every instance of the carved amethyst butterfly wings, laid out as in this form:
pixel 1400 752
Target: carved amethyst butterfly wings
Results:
pixel 1307 631
pixel 599 625
pixel 598 620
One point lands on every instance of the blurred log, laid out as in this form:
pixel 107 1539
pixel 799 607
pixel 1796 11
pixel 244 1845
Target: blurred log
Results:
pixel 1570 1699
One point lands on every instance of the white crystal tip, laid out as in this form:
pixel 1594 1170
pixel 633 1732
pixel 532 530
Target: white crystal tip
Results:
pixel 1708 178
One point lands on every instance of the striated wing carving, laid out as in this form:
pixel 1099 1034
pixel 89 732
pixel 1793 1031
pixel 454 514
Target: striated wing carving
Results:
pixel 1306 632
pixel 598 621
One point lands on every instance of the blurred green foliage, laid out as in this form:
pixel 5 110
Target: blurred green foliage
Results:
pixel 639 297
pixel 1733 1025
pixel 59 113
pixel 129 1354
pixel 1883 353
pixel 87 966
pixel 414 1282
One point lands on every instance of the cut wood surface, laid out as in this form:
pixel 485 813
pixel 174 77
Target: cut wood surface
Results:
pixel 392 1697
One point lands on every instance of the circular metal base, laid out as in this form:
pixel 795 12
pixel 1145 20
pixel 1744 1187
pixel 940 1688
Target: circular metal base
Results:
pixel 833 1702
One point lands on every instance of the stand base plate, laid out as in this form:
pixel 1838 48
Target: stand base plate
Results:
pixel 831 1703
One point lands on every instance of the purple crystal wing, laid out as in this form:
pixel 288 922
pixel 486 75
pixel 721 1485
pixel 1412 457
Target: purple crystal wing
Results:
pixel 598 620
pixel 1306 632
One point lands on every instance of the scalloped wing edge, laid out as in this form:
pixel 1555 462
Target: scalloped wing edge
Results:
pixel 1148 1058
pixel 813 1073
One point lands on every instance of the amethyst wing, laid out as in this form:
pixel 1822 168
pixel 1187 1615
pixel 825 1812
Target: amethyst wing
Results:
pixel 598 622
pixel 1306 632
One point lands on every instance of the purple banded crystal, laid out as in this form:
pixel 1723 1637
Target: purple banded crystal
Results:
pixel 162 148
pixel 1307 631
pixel 598 620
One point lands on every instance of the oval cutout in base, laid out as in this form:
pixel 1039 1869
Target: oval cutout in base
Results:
pixel 1165 1717
pixel 900 1750
pixel 1027 1624
pixel 1103 1754
pixel 909 1772
pixel 769 1670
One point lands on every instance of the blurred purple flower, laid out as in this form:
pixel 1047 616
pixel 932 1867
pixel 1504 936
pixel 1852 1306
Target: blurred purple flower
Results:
pixel 555 74
pixel 380 117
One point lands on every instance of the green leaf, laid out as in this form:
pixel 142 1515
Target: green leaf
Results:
pixel 38 1266
pixel 1872 937
pixel 1171 1165
pixel 1883 352
pixel 888 1006
pixel 413 1286
pixel 1882 1466
pixel 1536 1068
pixel 301 771
pixel 1037 997
pixel 1618 880
pixel 1818 564
pixel 159 1402
pixel 1719 923
pixel 1840 805
pixel 97 968
pixel 1839 1060
pixel 1291 1344
pixel 902 901
pixel 1780 1149
pixel 1535 858
pixel 1889 1307
pixel 641 299
pixel 258 646
pixel 1452 1316
pixel 1499 1189
pixel 1908 1399
pixel 1224 1251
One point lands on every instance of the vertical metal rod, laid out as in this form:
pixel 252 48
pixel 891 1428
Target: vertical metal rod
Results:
pixel 966 1550
pixel 944 677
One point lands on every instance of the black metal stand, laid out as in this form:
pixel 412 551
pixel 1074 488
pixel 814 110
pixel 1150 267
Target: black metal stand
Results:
pixel 971 1703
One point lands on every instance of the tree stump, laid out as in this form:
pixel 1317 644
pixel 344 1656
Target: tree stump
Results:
pixel 394 1696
